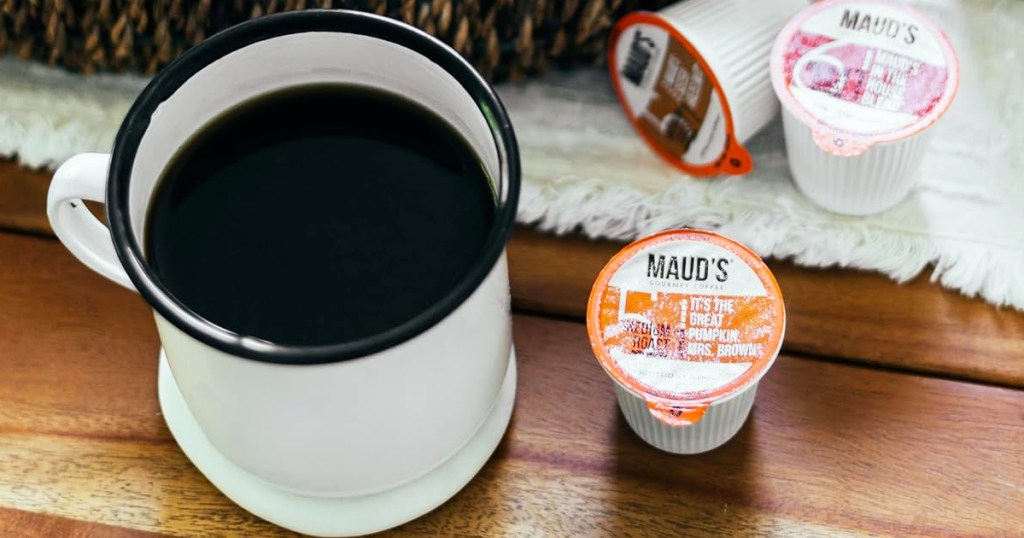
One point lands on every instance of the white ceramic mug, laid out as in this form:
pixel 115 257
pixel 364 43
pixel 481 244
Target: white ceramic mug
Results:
pixel 341 420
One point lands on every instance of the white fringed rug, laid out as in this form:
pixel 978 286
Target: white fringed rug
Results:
pixel 585 169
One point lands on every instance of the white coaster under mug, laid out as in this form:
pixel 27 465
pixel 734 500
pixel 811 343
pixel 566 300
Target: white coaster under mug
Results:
pixel 341 516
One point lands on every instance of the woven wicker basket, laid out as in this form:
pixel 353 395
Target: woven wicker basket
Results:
pixel 503 38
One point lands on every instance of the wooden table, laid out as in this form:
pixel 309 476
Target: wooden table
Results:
pixel 894 410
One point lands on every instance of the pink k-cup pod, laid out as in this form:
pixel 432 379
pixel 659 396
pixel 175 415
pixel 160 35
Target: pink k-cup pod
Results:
pixel 686 323
pixel 860 82
pixel 693 78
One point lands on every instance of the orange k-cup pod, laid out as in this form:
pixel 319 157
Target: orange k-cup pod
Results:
pixel 686 323
pixel 693 78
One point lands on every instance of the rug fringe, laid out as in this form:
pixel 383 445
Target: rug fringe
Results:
pixel 600 209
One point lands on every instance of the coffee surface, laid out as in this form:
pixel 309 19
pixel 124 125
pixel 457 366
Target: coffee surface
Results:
pixel 319 215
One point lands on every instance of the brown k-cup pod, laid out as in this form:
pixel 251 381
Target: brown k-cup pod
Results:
pixel 693 78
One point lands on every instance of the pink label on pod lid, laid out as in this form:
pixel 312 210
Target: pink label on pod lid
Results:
pixel 862 72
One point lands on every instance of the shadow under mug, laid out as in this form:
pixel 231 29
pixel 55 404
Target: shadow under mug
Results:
pixel 348 419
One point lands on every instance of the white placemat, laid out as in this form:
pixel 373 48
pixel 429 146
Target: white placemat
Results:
pixel 585 169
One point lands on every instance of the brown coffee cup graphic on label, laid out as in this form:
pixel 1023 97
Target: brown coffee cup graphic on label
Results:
pixel 679 105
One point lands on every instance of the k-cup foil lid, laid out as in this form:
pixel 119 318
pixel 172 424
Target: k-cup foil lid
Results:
pixel 685 318
pixel 673 97
pixel 863 72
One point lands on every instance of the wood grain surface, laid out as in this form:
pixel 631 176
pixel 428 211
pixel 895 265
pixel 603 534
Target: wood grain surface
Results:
pixel 840 314
pixel 23 198
pixel 830 450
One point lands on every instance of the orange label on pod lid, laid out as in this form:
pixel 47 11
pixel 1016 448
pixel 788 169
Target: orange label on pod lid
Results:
pixel 685 318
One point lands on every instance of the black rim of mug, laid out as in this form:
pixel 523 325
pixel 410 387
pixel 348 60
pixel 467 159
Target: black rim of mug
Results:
pixel 168 80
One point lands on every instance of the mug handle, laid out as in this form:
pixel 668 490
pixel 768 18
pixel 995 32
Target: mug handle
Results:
pixel 84 177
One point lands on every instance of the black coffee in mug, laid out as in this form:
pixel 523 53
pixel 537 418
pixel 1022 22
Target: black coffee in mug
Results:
pixel 319 214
